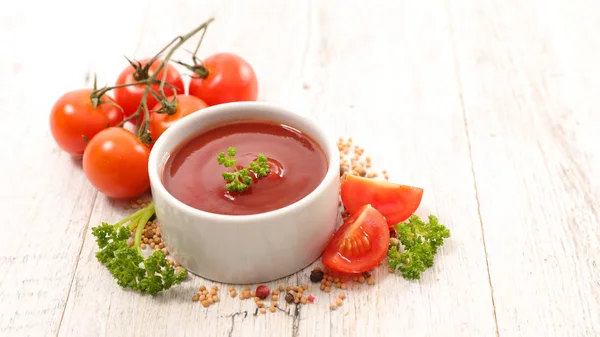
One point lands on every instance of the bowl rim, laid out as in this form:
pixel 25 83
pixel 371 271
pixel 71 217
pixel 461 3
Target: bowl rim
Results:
pixel 327 144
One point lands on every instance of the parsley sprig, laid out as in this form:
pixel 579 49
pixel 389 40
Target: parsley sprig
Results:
pixel 127 264
pixel 240 179
pixel 421 241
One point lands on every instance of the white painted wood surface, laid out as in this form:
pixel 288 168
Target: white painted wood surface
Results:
pixel 492 107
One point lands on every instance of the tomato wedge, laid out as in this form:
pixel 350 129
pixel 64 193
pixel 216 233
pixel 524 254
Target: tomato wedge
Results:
pixel 394 201
pixel 360 244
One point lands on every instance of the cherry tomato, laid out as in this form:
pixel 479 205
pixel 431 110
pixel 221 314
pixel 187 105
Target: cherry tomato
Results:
pixel 230 79
pixel 129 97
pixel 116 163
pixel 395 202
pixel 73 119
pixel 159 122
pixel 360 244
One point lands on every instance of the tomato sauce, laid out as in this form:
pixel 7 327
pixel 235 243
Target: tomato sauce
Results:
pixel 298 165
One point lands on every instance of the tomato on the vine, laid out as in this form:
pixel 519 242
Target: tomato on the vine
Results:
pixel 394 201
pixel 116 162
pixel 73 119
pixel 230 79
pixel 130 97
pixel 159 122
pixel 360 244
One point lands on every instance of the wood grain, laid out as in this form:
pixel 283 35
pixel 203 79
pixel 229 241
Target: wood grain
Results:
pixel 490 106
pixel 307 53
pixel 530 87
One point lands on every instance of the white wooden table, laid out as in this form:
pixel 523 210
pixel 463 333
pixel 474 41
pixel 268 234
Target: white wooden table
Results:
pixel 491 106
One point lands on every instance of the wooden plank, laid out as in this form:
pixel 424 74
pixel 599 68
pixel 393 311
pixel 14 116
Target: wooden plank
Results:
pixel 95 297
pixel 529 76
pixel 47 201
pixel 384 75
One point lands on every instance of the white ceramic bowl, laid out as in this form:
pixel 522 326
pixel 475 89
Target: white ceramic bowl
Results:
pixel 249 248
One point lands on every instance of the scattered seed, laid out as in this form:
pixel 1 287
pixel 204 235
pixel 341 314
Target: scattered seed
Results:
pixel 272 309
pixel 342 296
pixel 332 306
pixel 289 298
pixel 316 275
pixel 195 298
pixel 263 310
pixel 338 302
pixel 275 298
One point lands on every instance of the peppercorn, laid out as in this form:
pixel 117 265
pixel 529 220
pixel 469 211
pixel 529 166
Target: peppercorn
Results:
pixel 289 298
pixel 316 276
pixel 262 291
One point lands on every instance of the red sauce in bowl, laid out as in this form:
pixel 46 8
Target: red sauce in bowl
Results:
pixel 298 165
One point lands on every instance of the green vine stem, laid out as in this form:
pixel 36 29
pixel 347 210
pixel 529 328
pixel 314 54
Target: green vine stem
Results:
pixel 176 43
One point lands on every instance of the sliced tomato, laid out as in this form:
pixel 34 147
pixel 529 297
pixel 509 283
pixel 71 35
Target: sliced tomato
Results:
pixel 394 201
pixel 360 244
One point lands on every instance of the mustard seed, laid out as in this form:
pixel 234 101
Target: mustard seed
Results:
pixel 275 292
pixel 253 293
pixel 370 281
pixel 275 297
pixel 332 306
pixel 215 298
pixel 322 286
pixel 195 298
pixel 213 291
pixel 338 302
pixel 304 286
pixel 263 310
pixel 281 287
pixel 342 296
pixel 303 300
pixel 327 289
pixel 231 288
pixel 260 304
pixel 210 300
pixel 232 293
pixel 205 303
pixel 296 300
pixel 272 309
pixel 202 297
pixel 202 288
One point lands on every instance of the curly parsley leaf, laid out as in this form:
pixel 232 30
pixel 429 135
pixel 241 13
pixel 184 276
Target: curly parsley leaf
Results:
pixel 420 242
pixel 240 179
pixel 127 264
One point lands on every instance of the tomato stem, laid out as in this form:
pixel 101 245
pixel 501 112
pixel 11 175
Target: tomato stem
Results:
pixel 169 107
